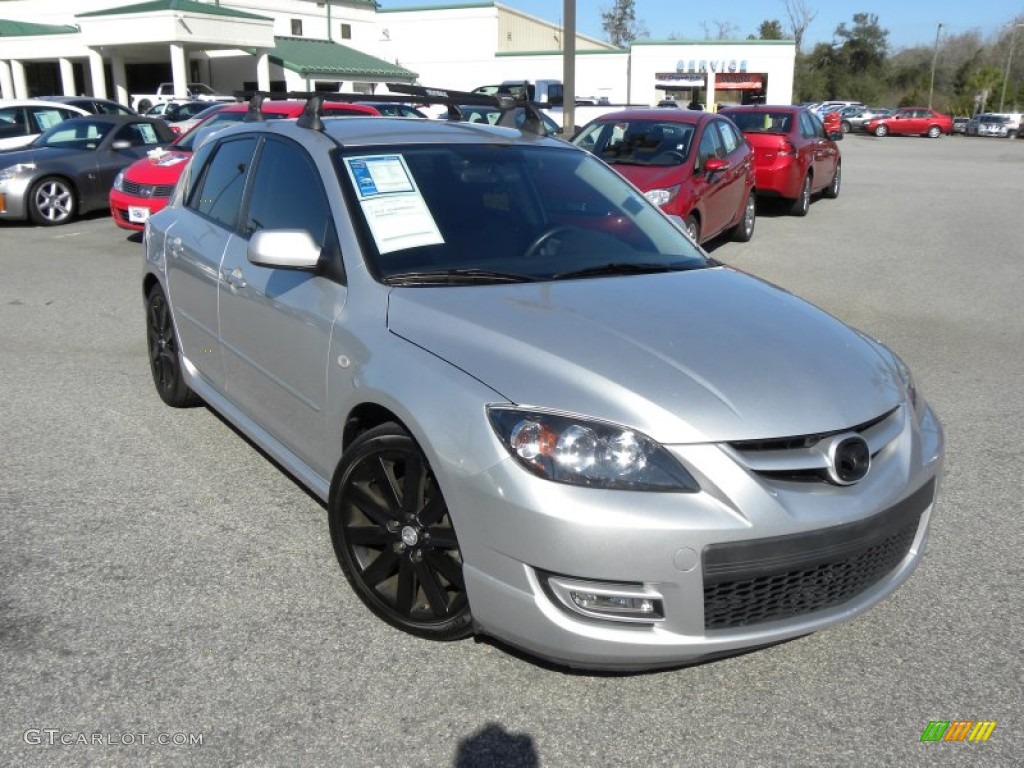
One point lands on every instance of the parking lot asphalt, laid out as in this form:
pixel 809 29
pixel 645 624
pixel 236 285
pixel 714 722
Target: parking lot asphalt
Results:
pixel 163 584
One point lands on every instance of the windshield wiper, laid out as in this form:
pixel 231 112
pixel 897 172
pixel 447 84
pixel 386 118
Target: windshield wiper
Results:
pixel 624 268
pixel 456 277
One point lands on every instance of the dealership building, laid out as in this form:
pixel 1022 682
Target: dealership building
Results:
pixel 115 49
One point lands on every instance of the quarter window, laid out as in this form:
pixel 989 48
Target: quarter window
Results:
pixel 218 192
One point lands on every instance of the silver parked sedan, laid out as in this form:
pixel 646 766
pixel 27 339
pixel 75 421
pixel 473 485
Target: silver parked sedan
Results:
pixel 534 408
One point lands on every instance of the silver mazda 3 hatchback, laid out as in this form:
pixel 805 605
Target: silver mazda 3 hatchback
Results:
pixel 533 407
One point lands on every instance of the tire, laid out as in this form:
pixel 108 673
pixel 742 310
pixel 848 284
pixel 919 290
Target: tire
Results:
pixel 52 201
pixel 1011 135
pixel 692 226
pixel 881 130
pixel 802 204
pixel 164 354
pixel 934 132
pixel 743 231
pixel 832 190
pixel 845 126
pixel 394 538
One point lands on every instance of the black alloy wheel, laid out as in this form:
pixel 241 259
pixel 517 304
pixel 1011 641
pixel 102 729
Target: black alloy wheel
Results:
pixel 164 360
pixel 394 538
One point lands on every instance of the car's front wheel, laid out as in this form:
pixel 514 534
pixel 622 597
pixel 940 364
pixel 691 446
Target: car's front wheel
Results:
pixel 881 130
pixel 832 190
pixel 164 359
pixel 802 203
pixel 394 537
pixel 692 227
pixel 51 201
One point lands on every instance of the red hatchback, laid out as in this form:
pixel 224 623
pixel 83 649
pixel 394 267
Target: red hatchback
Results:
pixel 693 165
pixel 145 187
pixel 794 156
pixel 911 121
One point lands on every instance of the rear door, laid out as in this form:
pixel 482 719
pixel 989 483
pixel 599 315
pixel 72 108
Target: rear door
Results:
pixel 207 224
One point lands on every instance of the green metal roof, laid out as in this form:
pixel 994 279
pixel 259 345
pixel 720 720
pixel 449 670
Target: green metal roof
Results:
pixel 188 6
pixel 9 28
pixel 311 57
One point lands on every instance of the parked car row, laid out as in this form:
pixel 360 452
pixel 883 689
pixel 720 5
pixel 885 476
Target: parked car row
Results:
pixel 533 407
pixel 1003 125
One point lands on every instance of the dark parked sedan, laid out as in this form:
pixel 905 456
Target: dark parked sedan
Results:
pixel 70 168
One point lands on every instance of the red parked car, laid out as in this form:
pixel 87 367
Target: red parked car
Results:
pixel 693 165
pixel 144 187
pixel 795 156
pixel 911 121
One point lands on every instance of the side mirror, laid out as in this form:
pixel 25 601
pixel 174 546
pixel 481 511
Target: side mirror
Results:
pixel 283 249
pixel 715 164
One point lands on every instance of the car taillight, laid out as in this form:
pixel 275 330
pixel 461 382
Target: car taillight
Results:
pixel 786 149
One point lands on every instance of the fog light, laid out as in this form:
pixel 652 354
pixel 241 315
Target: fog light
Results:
pixel 606 600
pixel 614 603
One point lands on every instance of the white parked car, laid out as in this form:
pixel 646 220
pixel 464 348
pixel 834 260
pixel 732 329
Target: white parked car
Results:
pixel 21 120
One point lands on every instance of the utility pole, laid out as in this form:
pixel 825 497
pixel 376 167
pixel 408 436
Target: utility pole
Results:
pixel 1009 58
pixel 935 57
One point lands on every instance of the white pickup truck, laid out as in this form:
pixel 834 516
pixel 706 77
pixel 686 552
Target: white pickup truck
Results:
pixel 141 102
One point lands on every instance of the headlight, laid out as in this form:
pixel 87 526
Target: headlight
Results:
pixel 119 181
pixel 13 171
pixel 568 449
pixel 662 197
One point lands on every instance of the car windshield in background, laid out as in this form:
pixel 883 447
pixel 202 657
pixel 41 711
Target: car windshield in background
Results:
pixel 638 142
pixel 471 213
pixel 761 122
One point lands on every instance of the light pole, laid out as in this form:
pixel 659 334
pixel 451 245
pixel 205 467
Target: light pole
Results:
pixel 935 56
pixel 1009 58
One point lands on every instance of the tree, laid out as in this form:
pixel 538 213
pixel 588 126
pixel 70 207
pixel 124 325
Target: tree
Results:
pixel 865 45
pixel 620 23
pixel 770 29
pixel 800 18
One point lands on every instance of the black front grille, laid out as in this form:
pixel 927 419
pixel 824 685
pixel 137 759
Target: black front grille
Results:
pixel 136 189
pixel 751 582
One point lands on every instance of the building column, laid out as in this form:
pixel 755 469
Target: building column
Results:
pixel 712 103
pixel 67 77
pixel 120 78
pixel 263 70
pixel 99 82
pixel 6 83
pixel 179 70
pixel 18 79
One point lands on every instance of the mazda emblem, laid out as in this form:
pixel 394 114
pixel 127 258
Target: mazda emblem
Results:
pixel 849 459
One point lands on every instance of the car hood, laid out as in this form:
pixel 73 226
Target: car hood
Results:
pixel 158 169
pixel 699 356
pixel 648 177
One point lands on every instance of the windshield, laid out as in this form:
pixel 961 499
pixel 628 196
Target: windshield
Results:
pixel 638 142
pixel 431 214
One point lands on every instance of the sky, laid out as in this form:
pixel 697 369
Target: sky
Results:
pixel 910 22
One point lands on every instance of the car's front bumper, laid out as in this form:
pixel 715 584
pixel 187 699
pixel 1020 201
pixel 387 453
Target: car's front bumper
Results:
pixel 13 198
pixel 746 562
pixel 125 209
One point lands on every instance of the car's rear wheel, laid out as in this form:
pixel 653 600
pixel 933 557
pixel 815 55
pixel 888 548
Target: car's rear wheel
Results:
pixel 51 201
pixel 881 130
pixel 832 190
pixel 692 227
pixel 802 203
pixel 394 538
pixel 743 231
pixel 934 132
pixel 846 126
pixel 164 357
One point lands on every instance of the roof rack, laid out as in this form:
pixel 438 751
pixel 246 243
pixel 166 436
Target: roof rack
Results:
pixel 401 92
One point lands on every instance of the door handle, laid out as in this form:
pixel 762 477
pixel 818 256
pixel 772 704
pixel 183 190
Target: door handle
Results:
pixel 235 278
